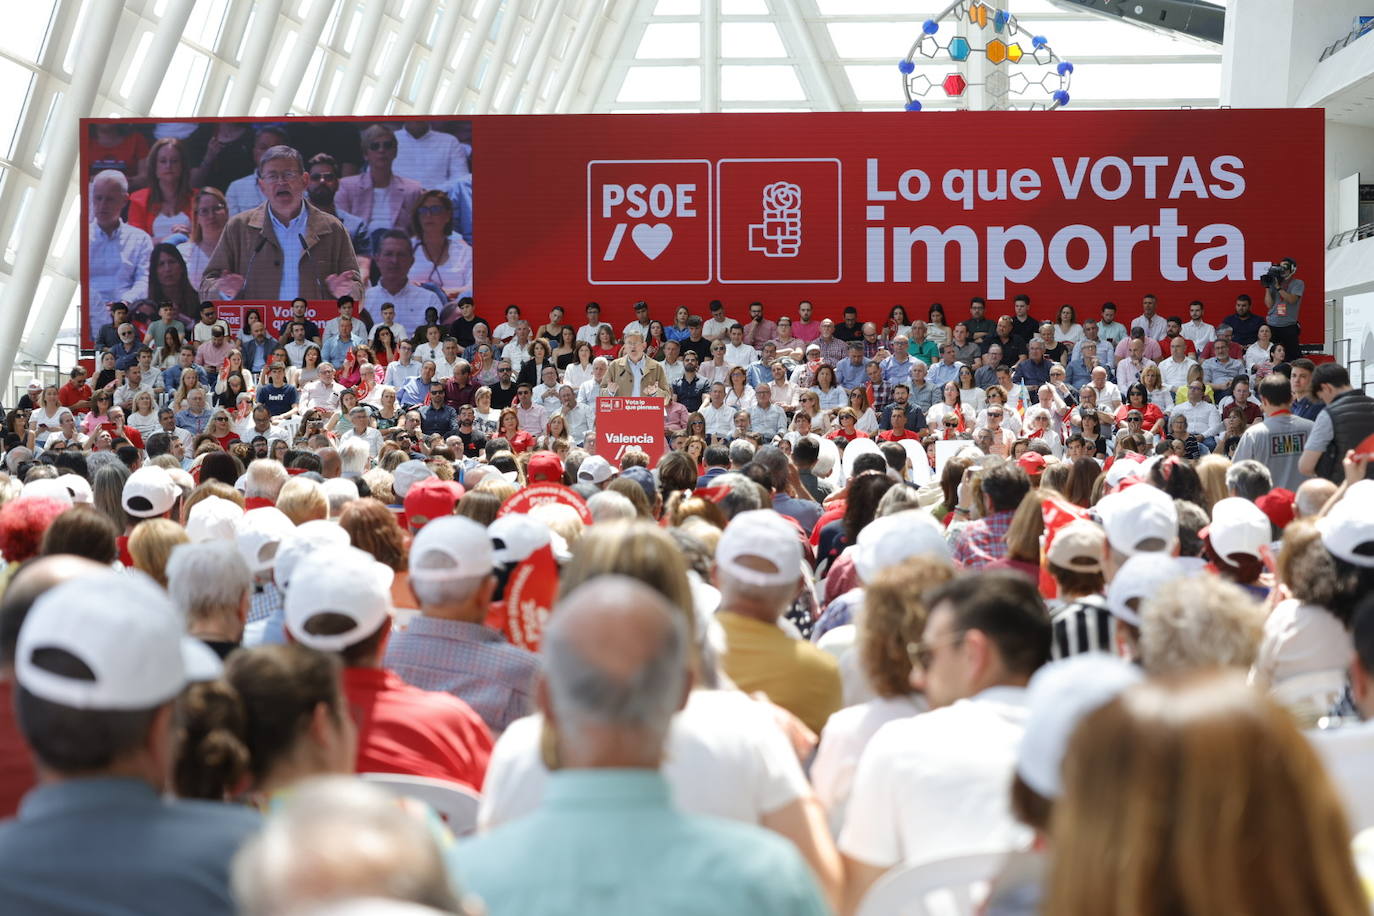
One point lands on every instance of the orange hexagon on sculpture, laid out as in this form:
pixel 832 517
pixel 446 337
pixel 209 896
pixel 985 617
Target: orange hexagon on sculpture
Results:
pixel 997 51
pixel 954 85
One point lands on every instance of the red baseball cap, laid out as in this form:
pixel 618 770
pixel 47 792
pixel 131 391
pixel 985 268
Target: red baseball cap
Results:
pixel 431 498
pixel 1033 463
pixel 544 467
pixel 1279 504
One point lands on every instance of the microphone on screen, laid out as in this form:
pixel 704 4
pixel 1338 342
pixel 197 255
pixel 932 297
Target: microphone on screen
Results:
pixel 248 272
pixel 315 267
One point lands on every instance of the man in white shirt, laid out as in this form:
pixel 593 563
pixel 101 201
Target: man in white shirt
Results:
pixel 445 361
pixel 1174 370
pixel 594 387
pixel 717 326
pixel 1195 329
pixel 134 382
pixel 766 418
pixel 394 259
pixel 431 157
pixel 404 368
pixel 323 393
pixel 672 361
pixel 1154 324
pixel 398 330
pixel 118 254
pixel 1129 369
pixel 936 785
pixel 259 423
pixel 577 418
pixel 1108 394
pixel 737 352
pixel 517 352
pixel 1203 417
pixel 720 419
pixel 588 331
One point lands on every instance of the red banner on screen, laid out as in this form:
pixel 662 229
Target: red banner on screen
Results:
pixel 623 423
pixel 876 209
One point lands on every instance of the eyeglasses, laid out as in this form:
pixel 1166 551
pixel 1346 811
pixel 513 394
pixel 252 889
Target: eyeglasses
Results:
pixel 211 210
pixel 277 177
pixel 432 211
pixel 949 424
pixel 377 145
pixel 922 654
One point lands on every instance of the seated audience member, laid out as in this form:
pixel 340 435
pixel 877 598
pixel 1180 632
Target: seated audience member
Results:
pixel 211 586
pixel 935 785
pixel 449 647
pixel 339 601
pixel 615 657
pixel 100 661
pixel 759 573
pixel 1151 751
pixel 984 539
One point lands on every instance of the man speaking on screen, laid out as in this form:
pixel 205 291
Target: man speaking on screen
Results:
pixel 284 248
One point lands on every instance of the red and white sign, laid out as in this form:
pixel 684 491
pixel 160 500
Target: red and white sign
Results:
pixel 539 494
pixel 528 600
pixel 274 314
pixel 623 423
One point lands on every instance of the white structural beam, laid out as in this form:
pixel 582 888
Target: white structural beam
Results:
pixel 472 53
pixel 390 73
pixel 529 95
pixel 54 189
pixel 710 55
pixel 523 90
pixel 166 37
pixel 804 48
pixel 613 38
pixel 438 56
pixel 574 64
pixel 255 47
pixel 307 41
pixel 346 99
pixel 491 78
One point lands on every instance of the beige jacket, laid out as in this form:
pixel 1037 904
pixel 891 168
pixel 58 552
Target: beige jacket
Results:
pixel 249 238
pixel 620 379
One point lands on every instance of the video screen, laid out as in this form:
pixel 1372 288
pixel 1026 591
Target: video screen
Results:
pixel 250 214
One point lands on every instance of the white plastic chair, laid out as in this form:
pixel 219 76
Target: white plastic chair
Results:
pixel 455 803
pixel 948 887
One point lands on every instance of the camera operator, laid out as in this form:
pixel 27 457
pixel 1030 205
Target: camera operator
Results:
pixel 1282 294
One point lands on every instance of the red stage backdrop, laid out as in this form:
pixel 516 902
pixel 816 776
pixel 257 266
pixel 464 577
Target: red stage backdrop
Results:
pixel 877 209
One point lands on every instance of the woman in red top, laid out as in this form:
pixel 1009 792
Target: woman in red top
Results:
pixel 1138 398
pixel 605 343
pixel 653 344
pixel 221 428
pixel 847 431
pixel 508 428
pixel 384 346
pixel 164 207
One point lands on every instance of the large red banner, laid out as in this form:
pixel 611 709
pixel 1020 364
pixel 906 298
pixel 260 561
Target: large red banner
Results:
pixel 623 423
pixel 877 209
pixel 862 209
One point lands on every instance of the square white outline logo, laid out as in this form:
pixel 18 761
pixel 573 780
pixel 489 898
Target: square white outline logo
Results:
pixel 710 224
pixel 839 225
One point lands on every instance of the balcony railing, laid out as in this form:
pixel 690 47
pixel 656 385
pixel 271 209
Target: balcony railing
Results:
pixel 1353 34
pixel 1351 235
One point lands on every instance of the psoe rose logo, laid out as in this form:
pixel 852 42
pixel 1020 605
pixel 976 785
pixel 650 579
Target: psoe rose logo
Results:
pixel 780 233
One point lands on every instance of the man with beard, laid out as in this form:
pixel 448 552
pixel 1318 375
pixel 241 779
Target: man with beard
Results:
pixel 324 184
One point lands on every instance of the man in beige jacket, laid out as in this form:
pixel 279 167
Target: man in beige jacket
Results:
pixel 635 374
pixel 284 248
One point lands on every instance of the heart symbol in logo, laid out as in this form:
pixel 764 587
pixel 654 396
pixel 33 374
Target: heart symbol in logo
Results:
pixel 652 240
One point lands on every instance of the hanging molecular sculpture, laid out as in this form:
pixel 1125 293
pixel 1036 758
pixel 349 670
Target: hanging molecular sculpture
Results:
pixel 1040 81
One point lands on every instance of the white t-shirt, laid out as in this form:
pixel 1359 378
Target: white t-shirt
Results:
pixel 937 785
pixel 369 435
pixel 1348 753
pixel 725 757
pixel 846 735
pixel 411 302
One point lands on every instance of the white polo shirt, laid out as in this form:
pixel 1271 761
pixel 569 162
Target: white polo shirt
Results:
pixel 938 784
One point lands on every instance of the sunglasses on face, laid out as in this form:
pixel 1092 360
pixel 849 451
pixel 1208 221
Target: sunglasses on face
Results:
pixel 432 210
pixel 377 145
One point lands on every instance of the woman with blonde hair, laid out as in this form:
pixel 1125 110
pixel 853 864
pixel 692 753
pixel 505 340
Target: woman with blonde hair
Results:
pixel 190 381
pixel 894 615
pixel 151 545
pixel 302 500
pixel 209 219
pixel 1197 795
pixel 1211 471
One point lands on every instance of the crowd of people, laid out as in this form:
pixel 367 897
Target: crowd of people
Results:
pixel 1032 599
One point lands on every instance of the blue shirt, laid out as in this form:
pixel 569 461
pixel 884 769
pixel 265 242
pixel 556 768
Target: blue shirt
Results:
pixel 941 373
pixel 105 845
pixel 336 348
pixel 1033 374
pixel 852 376
pixel 413 392
pixel 471 661
pixel 895 370
pixel 609 842
pixel 171 377
pixel 194 423
pixel 277 400
pixel 289 238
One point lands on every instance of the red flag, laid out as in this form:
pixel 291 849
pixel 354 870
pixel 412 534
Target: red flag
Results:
pixel 529 597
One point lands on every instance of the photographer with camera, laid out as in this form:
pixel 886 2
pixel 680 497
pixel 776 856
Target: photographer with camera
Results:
pixel 1282 295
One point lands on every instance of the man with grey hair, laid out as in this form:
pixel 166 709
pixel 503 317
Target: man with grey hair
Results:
pixel 212 587
pixel 607 837
pixel 337 839
pixel 449 647
pixel 594 387
pixel 359 442
pixel 262 483
pixel 284 248
pixel 118 254
pixel 636 373
pixel 1248 479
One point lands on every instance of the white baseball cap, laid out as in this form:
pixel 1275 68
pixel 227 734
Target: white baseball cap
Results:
pixel 1078 547
pixel 1121 469
pixel 260 535
pixel 338 580
pixel 301 543
pixel 1060 695
pixel 1137 514
pixel 1139 578
pixel 514 537
pixel 78 486
pixel 47 488
pixel 125 630
pixel 595 469
pixel 1238 526
pixel 213 519
pixel 407 473
pixel 149 492
pixel 463 545
pixel 760 533
pixel 1348 530
pixel 889 540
